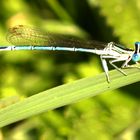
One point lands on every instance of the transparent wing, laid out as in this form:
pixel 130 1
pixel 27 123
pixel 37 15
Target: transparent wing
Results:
pixel 25 35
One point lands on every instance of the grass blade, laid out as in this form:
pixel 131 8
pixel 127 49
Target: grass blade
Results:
pixel 66 94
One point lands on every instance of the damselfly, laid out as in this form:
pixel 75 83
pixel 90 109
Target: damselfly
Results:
pixel 27 38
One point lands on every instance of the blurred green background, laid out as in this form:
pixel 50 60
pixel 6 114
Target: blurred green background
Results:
pixel 110 116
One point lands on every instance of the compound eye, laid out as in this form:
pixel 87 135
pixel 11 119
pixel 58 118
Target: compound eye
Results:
pixel 136 57
pixel 137 47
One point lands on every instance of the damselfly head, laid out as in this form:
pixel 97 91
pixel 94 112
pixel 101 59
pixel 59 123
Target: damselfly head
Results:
pixel 136 55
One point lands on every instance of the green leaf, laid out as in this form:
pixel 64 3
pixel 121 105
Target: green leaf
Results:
pixel 66 94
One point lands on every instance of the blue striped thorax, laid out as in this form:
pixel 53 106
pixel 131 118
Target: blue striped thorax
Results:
pixel 136 55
